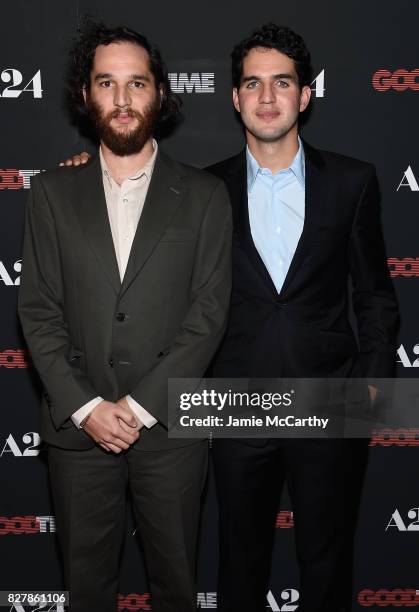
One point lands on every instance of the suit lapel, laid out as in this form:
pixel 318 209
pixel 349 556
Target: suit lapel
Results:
pixel 164 195
pixel 315 199
pixel 90 205
pixel 237 186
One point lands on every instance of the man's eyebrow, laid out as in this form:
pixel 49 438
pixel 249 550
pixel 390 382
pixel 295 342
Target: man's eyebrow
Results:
pixel 109 75
pixel 140 77
pixel 282 75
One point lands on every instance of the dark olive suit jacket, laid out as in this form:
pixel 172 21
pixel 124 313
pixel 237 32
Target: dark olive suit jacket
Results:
pixel 90 335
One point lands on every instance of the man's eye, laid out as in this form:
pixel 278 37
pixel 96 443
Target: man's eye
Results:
pixel 137 84
pixel 283 84
pixel 106 84
pixel 252 84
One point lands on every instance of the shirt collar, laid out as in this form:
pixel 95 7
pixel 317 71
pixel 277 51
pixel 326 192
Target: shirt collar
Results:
pixel 297 167
pixel 147 169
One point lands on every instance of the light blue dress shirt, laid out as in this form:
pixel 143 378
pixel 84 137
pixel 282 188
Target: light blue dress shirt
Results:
pixel 276 212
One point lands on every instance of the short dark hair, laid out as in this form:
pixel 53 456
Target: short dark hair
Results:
pixel 81 57
pixel 272 36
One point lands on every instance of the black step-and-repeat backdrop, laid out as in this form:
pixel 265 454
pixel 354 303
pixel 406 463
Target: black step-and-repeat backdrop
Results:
pixel 366 94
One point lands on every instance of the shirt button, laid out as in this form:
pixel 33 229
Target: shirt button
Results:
pixel 125 200
pixel 120 316
pixel 278 230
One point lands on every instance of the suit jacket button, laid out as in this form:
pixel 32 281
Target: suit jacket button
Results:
pixel 120 316
pixel 111 362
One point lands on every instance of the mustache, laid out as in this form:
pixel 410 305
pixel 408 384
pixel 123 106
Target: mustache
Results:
pixel 131 113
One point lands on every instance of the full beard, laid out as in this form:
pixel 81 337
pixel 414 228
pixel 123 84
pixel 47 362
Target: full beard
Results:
pixel 129 142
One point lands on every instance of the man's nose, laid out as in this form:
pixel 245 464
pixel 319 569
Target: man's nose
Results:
pixel 122 97
pixel 267 93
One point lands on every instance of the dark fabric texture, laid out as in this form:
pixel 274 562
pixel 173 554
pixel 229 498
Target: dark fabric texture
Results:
pixel 304 331
pixel 174 295
pixel 89 491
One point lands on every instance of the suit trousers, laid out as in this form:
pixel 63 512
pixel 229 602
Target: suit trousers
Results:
pixel 89 492
pixel 325 478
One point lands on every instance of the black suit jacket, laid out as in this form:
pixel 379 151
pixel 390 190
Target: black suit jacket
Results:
pixel 304 331
pixel 91 336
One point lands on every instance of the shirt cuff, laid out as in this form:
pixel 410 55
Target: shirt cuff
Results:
pixel 144 416
pixel 80 414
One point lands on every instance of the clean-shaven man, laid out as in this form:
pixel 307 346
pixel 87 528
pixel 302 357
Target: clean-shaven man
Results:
pixel 305 222
pixel 126 283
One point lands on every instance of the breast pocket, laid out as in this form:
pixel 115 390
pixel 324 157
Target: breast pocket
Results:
pixel 325 240
pixel 177 235
pixel 324 231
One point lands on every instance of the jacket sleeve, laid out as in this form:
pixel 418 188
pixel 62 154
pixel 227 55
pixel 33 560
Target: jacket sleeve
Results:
pixel 41 304
pixel 204 324
pixel 374 299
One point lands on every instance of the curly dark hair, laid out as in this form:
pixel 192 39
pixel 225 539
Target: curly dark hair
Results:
pixel 81 56
pixel 273 36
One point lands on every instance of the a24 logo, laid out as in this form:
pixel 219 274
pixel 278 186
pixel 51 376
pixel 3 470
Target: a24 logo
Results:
pixel 13 80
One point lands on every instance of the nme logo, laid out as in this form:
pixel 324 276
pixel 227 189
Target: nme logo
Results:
pixel 403 357
pixel 284 519
pixel 31 440
pixel 194 82
pixel 8 279
pixel 207 601
pixel 399 80
pixel 14 358
pixel 383 598
pixel 317 86
pixel 407 267
pixel 409 180
pixel 395 437
pixel 14 78
pixel 11 178
pixel 27 525
pixel 397 522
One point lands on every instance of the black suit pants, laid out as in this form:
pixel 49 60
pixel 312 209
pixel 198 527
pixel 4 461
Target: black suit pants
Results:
pixel 325 479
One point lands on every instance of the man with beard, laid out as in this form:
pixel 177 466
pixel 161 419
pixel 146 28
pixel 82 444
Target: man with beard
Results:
pixel 126 283
pixel 306 222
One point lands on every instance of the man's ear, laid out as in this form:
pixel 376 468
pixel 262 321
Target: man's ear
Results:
pixel 236 99
pixel 84 93
pixel 305 98
pixel 162 92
